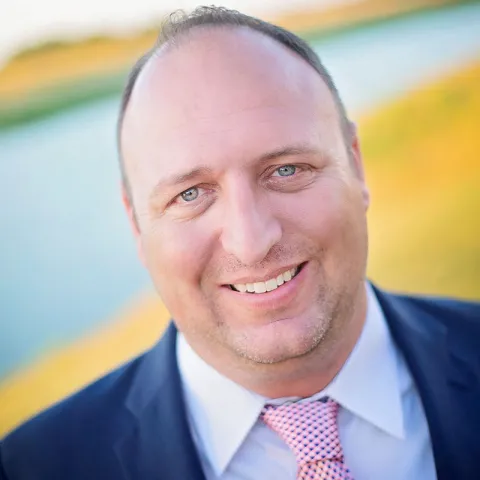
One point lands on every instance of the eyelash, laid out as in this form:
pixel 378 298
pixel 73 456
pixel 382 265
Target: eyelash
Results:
pixel 178 200
pixel 298 175
pixel 276 168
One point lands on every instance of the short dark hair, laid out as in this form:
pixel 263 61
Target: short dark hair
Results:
pixel 180 23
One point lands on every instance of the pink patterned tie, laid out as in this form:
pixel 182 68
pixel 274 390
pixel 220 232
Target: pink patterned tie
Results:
pixel 310 430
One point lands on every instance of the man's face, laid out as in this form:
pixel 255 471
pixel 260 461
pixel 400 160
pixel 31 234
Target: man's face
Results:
pixel 241 180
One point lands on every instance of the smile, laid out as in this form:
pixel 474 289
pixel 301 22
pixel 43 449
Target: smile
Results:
pixel 268 285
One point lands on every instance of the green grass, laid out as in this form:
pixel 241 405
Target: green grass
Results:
pixel 65 95
pixel 49 100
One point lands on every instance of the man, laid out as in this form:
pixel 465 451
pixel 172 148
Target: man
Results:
pixel 244 184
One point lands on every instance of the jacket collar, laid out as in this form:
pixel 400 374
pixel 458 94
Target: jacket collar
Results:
pixel 159 445
pixel 442 365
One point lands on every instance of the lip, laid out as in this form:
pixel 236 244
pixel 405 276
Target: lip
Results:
pixel 264 278
pixel 278 298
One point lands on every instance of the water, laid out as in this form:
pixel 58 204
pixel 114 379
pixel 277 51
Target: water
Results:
pixel 67 259
pixel 378 64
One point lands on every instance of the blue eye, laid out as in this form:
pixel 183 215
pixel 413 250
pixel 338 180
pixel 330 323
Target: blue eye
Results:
pixel 286 170
pixel 190 195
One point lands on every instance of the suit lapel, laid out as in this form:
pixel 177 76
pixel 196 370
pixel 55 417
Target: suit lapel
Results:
pixel 442 367
pixel 159 445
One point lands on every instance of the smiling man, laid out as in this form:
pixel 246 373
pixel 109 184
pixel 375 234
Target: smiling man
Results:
pixel 244 185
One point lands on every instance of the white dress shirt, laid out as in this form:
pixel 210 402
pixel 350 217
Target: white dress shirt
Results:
pixel 382 425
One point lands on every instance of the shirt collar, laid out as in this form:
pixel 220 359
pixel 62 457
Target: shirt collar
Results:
pixel 221 412
pixel 368 383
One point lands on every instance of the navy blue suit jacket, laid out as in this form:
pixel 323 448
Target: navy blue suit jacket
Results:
pixel 131 424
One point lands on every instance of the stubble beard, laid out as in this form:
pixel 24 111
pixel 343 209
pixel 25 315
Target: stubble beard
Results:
pixel 315 341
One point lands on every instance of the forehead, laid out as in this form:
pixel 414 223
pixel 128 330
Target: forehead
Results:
pixel 223 90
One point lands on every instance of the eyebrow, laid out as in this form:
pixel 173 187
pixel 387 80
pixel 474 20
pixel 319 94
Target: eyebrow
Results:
pixel 179 179
pixel 202 171
pixel 288 151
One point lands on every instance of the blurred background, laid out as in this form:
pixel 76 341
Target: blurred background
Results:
pixel 74 300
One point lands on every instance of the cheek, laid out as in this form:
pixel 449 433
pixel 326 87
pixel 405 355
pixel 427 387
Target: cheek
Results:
pixel 176 255
pixel 319 211
pixel 332 217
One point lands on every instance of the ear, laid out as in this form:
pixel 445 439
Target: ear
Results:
pixel 129 209
pixel 357 162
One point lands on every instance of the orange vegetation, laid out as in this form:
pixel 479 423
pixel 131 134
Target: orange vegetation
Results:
pixel 424 173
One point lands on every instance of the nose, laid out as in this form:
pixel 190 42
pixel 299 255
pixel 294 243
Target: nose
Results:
pixel 250 228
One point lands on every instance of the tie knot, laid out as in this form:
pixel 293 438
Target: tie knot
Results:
pixel 309 429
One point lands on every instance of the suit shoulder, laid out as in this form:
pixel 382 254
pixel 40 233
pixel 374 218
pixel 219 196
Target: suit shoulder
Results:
pixel 102 396
pixel 449 307
pixel 455 314
pixel 80 423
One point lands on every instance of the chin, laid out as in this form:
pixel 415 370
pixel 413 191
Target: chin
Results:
pixel 280 341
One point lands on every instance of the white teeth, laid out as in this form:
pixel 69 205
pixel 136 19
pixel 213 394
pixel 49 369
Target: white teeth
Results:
pixel 260 287
pixel 268 286
pixel 271 285
pixel 241 287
